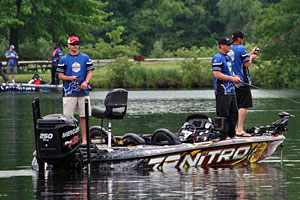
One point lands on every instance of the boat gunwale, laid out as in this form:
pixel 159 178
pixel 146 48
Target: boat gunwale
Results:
pixel 188 148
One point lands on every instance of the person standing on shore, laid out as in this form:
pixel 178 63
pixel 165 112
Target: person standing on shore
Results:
pixel 241 64
pixel 12 57
pixel 76 71
pixel 55 57
pixel 226 104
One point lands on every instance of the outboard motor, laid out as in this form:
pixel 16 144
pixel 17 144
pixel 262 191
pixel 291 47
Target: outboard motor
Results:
pixel 57 138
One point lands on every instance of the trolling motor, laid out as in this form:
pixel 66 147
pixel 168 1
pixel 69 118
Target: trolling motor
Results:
pixel 278 127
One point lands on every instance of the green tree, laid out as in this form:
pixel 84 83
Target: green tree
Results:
pixel 50 19
pixel 283 55
pixel 268 3
pixel 239 15
pixel 175 23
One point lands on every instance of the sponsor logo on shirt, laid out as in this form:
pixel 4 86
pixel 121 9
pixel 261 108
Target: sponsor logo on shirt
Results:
pixel 76 67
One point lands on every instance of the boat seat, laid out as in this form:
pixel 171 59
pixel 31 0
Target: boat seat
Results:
pixel 133 139
pixel 115 108
pixel 163 136
pixel 115 105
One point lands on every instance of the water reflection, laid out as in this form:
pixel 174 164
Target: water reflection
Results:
pixel 253 182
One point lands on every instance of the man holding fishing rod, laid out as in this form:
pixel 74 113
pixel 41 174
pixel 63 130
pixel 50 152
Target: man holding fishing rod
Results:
pixel 76 70
pixel 224 80
pixel 241 63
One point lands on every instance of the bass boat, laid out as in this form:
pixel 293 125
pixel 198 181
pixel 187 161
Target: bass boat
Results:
pixel 36 84
pixel 200 142
pixel 25 87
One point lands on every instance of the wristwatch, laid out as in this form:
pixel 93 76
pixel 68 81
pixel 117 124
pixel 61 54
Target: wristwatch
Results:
pixel 87 81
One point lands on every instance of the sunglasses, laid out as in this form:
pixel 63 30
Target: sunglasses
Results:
pixel 74 44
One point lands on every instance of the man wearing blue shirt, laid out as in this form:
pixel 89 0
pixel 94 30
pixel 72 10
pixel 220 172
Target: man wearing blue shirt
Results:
pixel 226 105
pixel 55 57
pixel 76 70
pixel 241 62
pixel 12 57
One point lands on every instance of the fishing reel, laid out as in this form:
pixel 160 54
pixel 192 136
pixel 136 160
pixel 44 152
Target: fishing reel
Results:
pixel 257 50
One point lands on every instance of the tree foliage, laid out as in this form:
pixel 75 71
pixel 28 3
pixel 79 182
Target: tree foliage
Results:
pixel 175 23
pixel 276 21
pixel 239 14
pixel 157 27
pixel 23 20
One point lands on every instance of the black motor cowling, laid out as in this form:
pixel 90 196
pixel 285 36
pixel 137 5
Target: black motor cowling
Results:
pixel 58 137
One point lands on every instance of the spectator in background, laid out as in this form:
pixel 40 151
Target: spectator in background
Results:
pixel 55 57
pixel 12 57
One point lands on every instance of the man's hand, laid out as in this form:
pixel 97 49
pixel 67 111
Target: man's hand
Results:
pixel 73 78
pixel 83 85
pixel 253 56
pixel 236 79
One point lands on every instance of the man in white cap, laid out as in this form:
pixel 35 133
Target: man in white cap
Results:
pixel 12 57
pixel 76 70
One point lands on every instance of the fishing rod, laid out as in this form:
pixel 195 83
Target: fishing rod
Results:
pixel 265 46
pixel 270 92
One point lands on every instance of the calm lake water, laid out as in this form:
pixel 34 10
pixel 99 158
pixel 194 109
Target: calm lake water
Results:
pixel 148 111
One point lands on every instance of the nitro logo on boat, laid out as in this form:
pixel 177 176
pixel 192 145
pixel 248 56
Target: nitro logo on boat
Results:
pixel 198 158
pixel 71 142
pixel 70 132
pixel 46 136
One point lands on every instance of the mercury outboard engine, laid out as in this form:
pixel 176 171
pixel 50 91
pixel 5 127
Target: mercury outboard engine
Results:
pixel 57 137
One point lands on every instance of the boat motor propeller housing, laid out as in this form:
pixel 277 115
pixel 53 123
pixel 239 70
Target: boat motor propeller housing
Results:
pixel 57 137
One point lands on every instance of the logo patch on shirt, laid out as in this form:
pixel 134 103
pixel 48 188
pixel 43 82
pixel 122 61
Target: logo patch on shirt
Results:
pixel 76 67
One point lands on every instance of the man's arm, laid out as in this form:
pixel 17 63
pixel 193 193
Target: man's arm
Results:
pixel 219 75
pixel 63 77
pixel 252 56
pixel 85 83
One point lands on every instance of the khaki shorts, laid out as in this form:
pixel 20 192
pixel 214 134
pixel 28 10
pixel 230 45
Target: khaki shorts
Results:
pixel 72 103
pixel 11 69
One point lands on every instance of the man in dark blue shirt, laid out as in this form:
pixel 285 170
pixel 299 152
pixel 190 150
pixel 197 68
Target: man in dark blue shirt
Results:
pixel 241 62
pixel 76 70
pixel 55 57
pixel 226 105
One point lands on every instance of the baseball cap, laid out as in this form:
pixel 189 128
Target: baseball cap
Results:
pixel 239 33
pixel 73 39
pixel 225 40
pixel 12 46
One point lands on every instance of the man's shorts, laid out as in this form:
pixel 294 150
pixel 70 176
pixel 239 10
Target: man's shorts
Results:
pixel 244 97
pixel 70 104
pixel 11 69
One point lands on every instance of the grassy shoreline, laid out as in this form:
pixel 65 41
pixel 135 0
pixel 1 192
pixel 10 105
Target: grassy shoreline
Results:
pixel 177 75
pixel 144 75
